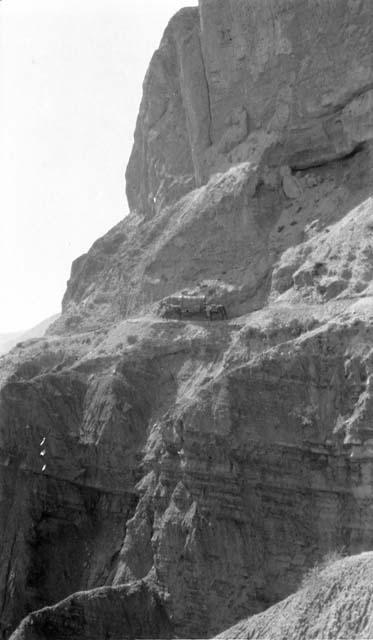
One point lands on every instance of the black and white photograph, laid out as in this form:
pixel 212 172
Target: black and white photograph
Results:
pixel 186 320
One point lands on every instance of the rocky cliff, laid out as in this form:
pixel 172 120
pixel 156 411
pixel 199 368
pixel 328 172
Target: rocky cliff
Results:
pixel 187 468
pixel 335 602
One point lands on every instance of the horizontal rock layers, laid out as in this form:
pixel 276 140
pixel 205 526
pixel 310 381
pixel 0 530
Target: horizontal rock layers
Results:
pixel 252 460
pixel 198 468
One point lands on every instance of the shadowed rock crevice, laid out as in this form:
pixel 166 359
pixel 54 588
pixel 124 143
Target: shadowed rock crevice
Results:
pixel 358 149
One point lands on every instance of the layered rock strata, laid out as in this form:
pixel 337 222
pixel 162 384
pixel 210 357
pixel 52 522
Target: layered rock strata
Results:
pixel 213 461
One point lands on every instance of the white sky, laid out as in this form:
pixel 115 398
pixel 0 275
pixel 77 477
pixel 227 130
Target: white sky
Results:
pixel 70 86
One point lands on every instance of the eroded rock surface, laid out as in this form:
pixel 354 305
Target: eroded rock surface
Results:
pixel 336 602
pixel 237 80
pixel 133 612
pixel 214 461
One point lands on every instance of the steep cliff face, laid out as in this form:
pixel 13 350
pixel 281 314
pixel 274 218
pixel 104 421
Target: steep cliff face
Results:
pixel 173 121
pixel 302 72
pixel 213 461
pixel 243 94
pixel 246 78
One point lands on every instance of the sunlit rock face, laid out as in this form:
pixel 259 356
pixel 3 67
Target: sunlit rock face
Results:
pixel 335 602
pixel 276 87
pixel 244 78
pixel 301 71
pixel 173 121
pixel 195 468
